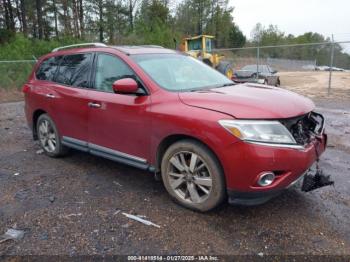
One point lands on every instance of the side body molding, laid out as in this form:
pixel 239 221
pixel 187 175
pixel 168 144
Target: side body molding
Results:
pixel 107 153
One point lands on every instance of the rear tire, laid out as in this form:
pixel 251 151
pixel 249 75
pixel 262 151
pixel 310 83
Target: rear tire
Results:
pixel 192 175
pixel 49 138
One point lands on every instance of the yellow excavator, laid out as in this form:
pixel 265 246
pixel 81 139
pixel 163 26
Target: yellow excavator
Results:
pixel 200 47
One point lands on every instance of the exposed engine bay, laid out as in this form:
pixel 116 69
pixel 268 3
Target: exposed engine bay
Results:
pixel 305 128
pixel 308 129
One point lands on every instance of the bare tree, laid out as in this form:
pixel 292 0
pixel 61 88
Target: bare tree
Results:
pixel 54 7
pixel 81 18
pixel 24 18
pixel 11 19
pixel 132 7
pixel 39 18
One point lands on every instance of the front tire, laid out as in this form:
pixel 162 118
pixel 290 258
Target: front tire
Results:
pixel 193 176
pixel 49 138
pixel 278 83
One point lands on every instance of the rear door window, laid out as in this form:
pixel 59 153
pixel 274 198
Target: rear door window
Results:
pixel 74 70
pixel 48 68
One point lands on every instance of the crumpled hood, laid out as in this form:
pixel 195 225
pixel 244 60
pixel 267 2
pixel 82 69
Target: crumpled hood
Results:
pixel 250 101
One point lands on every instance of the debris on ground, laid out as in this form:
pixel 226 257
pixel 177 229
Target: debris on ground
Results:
pixel 72 215
pixel 141 220
pixel 12 234
pixel 16 174
pixel 116 183
pixel 52 199
pixel 312 182
pixel 40 151
pixel 21 195
pixel 44 236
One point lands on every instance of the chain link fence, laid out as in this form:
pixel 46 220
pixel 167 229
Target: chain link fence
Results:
pixel 14 73
pixel 319 70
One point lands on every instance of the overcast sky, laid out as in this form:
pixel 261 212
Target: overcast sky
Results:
pixel 295 16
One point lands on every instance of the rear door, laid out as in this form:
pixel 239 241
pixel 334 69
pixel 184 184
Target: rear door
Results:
pixel 69 97
pixel 119 124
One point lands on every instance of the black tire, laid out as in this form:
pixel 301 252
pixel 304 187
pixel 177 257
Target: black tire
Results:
pixel 278 83
pixel 225 68
pixel 207 62
pixel 212 170
pixel 59 149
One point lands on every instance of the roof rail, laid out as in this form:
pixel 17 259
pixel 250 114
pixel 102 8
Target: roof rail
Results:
pixel 77 45
pixel 152 46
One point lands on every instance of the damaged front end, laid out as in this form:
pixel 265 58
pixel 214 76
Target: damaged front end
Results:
pixel 309 129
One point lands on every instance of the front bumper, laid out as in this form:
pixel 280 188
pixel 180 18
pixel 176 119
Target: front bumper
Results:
pixel 257 198
pixel 244 162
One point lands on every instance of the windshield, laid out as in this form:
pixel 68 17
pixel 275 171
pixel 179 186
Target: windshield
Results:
pixel 262 68
pixel 176 72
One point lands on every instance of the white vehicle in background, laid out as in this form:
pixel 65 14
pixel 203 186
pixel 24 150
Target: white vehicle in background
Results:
pixel 327 68
pixel 322 68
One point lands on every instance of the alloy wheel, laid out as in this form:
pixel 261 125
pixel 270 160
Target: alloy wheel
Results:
pixel 189 177
pixel 47 136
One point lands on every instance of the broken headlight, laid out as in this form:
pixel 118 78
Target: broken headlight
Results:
pixel 271 132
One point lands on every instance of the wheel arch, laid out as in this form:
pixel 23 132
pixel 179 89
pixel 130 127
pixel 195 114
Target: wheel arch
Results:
pixel 37 113
pixel 171 139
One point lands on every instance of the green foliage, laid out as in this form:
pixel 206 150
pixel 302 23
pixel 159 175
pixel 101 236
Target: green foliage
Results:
pixel 14 74
pixel 195 17
pixel 153 24
pixel 23 48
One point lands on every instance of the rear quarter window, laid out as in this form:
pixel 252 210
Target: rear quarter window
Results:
pixel 48 68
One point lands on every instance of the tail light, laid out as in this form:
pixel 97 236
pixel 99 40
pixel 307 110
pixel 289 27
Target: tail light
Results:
pixel 25 88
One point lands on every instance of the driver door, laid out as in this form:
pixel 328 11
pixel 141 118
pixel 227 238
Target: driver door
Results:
pixel 119 124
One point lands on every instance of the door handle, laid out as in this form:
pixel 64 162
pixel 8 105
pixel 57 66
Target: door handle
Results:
pixel 94 105
pixel 50 95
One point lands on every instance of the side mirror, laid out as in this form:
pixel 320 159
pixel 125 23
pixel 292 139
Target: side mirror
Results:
pixel 125 86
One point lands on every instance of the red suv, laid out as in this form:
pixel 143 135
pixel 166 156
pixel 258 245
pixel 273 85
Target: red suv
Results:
pixel 168 113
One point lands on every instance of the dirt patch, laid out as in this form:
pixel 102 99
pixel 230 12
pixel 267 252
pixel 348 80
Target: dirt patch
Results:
pixel 10 95
pixel 315 84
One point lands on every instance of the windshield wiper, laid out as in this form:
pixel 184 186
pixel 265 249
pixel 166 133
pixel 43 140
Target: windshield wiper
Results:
pixel 224 85
pixel 210 87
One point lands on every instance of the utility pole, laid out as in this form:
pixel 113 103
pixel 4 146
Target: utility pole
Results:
pixel 331 66
pixel 258 58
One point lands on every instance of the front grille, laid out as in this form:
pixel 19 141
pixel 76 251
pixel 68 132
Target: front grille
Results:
pixel 305 128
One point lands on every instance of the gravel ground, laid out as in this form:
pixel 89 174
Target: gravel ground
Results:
pixel 74 205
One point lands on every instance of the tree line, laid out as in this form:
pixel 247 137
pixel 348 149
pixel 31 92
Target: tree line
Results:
pixel 120 21
pixel 321 52
pixel 35 26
